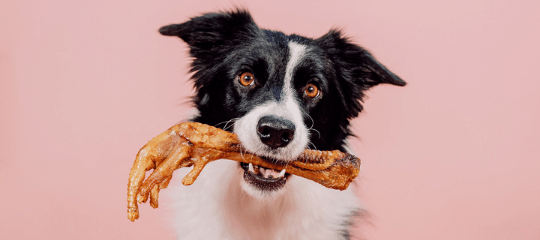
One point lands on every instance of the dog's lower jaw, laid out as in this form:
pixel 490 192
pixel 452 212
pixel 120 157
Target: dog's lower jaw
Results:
pixel 261 194
pixel 262 183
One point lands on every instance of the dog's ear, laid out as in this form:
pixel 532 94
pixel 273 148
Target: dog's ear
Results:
pixel 355 63
pixel 356 69
pixel 213 33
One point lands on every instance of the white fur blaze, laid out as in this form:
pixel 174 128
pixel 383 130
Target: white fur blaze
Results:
pixel 288 108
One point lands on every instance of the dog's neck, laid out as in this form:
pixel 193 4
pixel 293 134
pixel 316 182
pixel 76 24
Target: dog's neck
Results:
pixel 259 218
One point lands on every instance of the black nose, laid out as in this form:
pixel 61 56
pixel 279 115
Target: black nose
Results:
pixel 275 131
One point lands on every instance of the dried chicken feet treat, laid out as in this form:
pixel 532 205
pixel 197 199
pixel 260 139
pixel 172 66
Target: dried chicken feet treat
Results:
pixel 195 144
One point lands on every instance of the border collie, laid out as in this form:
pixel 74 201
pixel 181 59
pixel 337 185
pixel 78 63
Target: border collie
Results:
pixel 280 94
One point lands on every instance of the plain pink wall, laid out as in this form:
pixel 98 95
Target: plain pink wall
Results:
pixel 453 155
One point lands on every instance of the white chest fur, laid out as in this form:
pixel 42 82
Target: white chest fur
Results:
pixel 216 207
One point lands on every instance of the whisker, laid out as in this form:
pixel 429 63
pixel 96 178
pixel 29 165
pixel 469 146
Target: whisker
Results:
pixel 242 151
pixel 312 144
pixel 312 122
pixel 315 130
pixel 226 123
pixel 311 127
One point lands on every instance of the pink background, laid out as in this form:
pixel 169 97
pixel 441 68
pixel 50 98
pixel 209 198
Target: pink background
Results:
pixel 453 155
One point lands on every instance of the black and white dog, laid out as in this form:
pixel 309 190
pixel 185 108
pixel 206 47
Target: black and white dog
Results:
pixel 280 94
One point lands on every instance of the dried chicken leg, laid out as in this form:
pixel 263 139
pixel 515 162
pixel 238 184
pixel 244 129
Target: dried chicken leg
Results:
pixel 195 144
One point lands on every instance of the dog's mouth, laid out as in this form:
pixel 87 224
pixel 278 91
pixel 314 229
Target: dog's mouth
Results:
pixel 264 179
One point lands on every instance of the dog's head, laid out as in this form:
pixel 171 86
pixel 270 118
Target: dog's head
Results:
pixel 281 93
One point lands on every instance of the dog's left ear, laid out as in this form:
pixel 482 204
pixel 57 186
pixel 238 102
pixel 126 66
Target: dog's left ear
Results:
pixel 356 64
pixel 356 69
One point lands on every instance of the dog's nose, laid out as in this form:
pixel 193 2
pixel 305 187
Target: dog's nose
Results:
pixel 275 131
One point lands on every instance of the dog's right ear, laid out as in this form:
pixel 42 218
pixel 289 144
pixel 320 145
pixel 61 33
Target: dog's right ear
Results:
pixel 213 33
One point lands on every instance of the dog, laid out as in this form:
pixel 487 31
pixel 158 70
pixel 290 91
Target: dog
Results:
pixel 280 94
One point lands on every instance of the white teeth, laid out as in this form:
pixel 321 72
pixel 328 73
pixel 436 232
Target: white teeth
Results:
pixel 282 173
pixel 251 168
pixel 266 173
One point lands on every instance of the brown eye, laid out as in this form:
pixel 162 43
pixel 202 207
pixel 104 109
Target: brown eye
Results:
pixel 246 79
pixel 311 90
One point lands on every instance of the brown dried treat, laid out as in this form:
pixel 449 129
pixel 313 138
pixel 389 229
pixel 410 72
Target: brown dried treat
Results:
pixel 195 144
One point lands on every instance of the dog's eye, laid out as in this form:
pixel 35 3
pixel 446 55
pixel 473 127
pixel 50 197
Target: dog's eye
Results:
pixel 311 90
pixel 246 79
